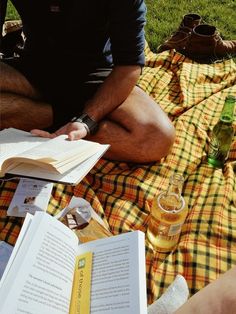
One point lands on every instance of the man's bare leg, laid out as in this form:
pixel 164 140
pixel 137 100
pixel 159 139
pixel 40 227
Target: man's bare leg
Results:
pixel 138 130
pixel 20 105
pixel 218 297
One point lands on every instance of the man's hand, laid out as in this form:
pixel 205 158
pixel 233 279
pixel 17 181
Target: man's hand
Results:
pixel 74 130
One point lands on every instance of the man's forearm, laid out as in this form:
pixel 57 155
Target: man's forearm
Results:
pixel 113 91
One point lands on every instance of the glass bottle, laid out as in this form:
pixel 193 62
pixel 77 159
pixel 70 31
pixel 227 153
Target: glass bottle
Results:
pixel 222 135
pixel 168 214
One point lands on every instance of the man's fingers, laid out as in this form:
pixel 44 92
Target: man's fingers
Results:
pixel 42 133
pixel 78 134
pixel 74 130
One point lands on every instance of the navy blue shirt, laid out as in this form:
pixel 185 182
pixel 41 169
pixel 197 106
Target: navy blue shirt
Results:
pixel 94 32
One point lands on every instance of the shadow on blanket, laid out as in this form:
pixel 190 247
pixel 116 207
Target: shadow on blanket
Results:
pixel 193 95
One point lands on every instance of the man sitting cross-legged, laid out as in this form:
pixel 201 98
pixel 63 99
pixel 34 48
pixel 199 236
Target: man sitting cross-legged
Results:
pixel 83 60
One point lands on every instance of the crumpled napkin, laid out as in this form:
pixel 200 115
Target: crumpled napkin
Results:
pixel 175 296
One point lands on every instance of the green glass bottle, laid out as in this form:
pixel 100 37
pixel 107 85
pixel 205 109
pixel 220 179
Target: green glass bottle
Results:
pixel 222 135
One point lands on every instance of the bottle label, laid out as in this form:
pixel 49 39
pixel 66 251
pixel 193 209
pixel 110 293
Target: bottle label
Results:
pixel 214 148
pixel 169 231
pixel 175 229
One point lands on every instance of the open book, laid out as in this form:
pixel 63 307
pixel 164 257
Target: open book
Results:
pixel 56 159
pixel 39 275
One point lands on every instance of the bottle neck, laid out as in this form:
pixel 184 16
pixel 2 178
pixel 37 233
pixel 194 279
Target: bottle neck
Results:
pixel 175 185
pixel 171 200
pixel 227 114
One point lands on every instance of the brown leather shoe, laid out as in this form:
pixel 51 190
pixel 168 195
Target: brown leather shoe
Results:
pixel 179 39
pixel 205 44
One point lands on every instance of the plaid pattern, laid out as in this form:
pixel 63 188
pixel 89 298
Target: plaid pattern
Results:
pixel 193 95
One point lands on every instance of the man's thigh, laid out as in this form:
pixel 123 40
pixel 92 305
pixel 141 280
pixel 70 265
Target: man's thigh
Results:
pixel 12 80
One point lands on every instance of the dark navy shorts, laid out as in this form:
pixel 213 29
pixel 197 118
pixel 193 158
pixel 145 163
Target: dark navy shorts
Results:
pixel 64 84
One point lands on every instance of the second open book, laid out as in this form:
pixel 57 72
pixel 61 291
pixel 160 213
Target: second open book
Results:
pixel 39 275
pixel 58 159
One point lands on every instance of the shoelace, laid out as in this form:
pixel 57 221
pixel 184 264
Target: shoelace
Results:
pixel 184 30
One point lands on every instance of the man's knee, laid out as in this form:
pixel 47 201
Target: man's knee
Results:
pixel 149 126
pixel 167 138
pixel 159 139
pixel 156 132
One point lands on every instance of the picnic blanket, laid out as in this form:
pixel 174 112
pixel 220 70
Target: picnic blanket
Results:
pixel 122 194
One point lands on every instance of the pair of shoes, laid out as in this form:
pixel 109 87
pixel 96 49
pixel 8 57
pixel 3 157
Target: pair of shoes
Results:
pixel 181 37
pixel 198 41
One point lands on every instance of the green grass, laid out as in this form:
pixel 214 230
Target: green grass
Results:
pixel 164 17
pixel 11 13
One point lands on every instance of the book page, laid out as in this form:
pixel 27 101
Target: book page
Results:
pixel 41 275
pixel 59 149
pixel 118 276
pixel 67 164
pixel 72 176
pixel 13 141
pixel 58 154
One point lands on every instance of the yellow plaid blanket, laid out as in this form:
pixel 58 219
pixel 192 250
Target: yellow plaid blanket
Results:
pixel 122 194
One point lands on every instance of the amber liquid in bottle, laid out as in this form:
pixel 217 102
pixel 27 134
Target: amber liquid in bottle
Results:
pixel 168 214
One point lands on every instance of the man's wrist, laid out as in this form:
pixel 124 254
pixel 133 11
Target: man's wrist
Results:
pixel 90 125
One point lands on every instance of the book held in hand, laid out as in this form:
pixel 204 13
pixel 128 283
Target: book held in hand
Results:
pixel 50 272
pixel 57 159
